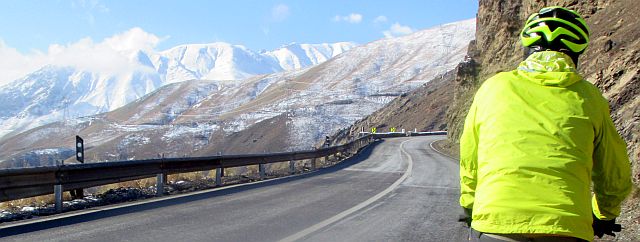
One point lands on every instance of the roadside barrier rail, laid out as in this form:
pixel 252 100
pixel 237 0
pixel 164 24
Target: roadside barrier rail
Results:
pixel 35 181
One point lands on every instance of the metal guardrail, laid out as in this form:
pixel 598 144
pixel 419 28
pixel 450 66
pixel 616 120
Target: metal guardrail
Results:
pixel 403 134
pixel 29 182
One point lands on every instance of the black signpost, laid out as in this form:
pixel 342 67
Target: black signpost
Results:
pixel 79 149
pixel 78 193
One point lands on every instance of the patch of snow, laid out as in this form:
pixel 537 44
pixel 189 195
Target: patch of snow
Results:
pixel 134 139
pixel 176 131
pixel 52 151
pixel 28 209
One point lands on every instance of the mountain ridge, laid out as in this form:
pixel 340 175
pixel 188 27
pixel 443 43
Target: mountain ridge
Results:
pixel 202 116
pixel 81 92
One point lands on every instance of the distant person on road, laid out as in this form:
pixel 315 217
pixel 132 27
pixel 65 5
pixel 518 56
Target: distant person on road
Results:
pixel 536 137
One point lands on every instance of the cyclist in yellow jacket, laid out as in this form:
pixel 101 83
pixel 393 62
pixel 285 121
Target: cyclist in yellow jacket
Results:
pixel 536 137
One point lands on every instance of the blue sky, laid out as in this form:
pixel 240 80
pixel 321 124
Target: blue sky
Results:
pixel 257 24
pixel 33 30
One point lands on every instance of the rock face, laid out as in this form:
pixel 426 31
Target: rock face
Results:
pixel 611 62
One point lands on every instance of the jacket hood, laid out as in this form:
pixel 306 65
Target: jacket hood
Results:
pixel 549 68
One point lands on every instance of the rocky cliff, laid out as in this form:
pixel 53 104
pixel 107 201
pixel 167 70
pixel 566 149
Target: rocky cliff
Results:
pixel 611 62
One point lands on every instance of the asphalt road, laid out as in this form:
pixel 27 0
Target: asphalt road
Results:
pixel 396 190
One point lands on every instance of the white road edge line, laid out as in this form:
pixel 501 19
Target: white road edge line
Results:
pixel 440 152
pixel 343 214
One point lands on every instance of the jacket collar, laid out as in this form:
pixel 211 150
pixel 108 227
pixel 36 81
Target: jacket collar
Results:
pixel 549 68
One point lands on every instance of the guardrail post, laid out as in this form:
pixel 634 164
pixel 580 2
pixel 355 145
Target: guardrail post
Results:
pixel 292 167
pixel 57 193
pixel 77 193
pixel 219 176
pixel 160 179
pixel 261 170
pixel 313 164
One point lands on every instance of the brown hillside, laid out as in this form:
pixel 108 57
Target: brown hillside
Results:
pixel 270 135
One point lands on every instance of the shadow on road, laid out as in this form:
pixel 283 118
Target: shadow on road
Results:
pixel 100 214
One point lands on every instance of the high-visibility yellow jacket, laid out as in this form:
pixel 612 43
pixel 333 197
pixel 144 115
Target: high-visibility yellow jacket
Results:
pixel 533 141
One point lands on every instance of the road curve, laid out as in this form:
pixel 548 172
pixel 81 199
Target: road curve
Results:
pixel 396 190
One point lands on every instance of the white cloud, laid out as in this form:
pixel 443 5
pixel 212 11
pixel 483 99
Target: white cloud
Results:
pixel 280 12
pixel 380 19
pixel 397 30
pixel 133 39
pixel 353 18
pixel 112 55
pixel 14 65
pixel 90 7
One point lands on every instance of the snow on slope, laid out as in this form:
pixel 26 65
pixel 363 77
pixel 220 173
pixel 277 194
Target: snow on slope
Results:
pixel 54 93
pixel 318 100
pixel 322 99
pixel 297 56
pixel 222 61
pixel 333 95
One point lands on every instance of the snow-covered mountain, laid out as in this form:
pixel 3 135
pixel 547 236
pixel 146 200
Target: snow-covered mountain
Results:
pixel 222 61
pixel 298 107
pixel 54 93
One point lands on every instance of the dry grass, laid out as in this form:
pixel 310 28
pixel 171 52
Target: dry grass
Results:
pixel 190 176
pixel 142 183
pixel 38 201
